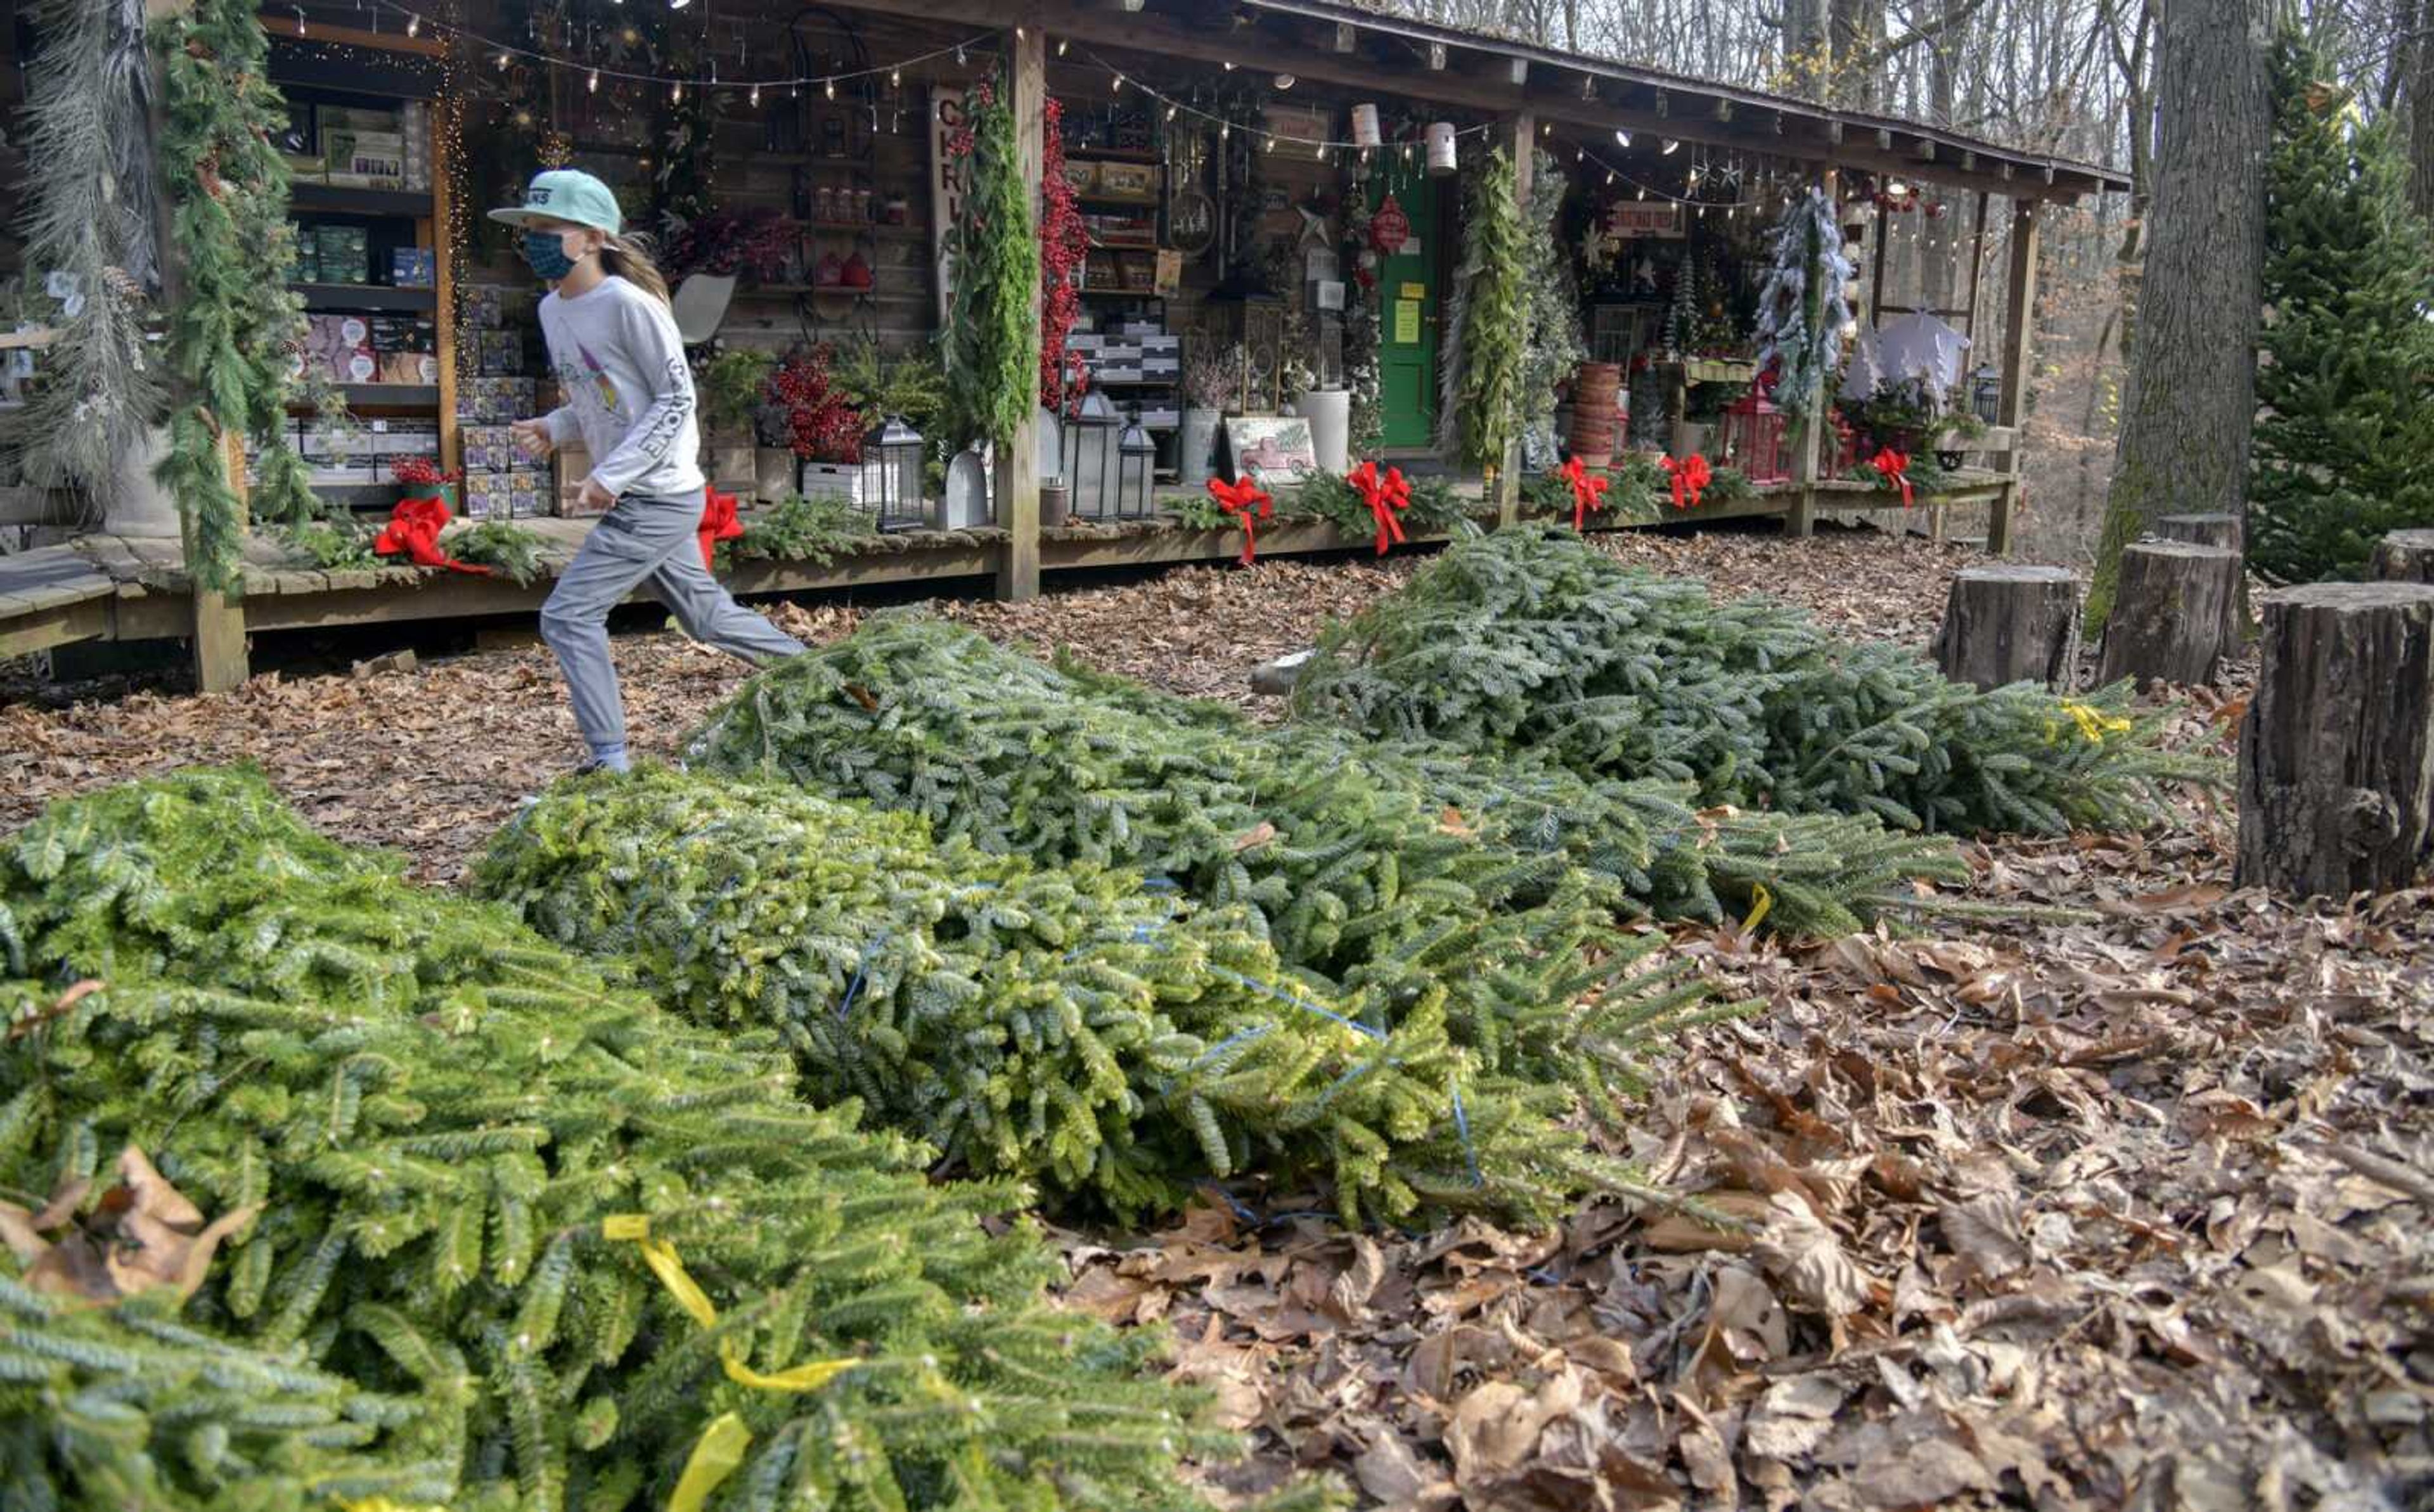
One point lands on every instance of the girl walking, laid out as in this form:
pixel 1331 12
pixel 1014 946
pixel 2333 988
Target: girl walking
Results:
pixel 627 396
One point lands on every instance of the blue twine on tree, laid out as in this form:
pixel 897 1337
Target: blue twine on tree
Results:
pixel 1462 1126
pixel 1280 996
pixel 1256 1031
pixel 861 974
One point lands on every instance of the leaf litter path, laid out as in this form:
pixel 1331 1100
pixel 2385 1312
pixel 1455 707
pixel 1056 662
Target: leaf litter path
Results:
pixel 2136 1212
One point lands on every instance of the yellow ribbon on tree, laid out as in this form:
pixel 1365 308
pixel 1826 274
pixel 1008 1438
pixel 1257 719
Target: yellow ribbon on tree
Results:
pixel 2094 722
pixel 720 1450
pixel 1761 900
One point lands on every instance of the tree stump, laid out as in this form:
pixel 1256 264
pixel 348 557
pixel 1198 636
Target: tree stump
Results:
pixel 2169 616
pixel 2228 531
pixel 2402 557
pixel 2009 624
pixel 2336 755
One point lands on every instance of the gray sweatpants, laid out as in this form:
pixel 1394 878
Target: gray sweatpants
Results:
pixel 658 540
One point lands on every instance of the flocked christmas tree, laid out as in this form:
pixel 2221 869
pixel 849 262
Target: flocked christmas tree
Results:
pixel 2345 441
pixel 1803 308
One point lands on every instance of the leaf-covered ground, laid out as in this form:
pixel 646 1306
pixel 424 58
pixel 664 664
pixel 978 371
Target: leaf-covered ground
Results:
pixel 2136 1211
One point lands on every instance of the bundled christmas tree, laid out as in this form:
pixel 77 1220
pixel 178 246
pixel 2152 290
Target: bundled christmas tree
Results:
pixel 607 1255
pixel 128 1409
pixel 1063 1023
pixel 2344 445
pixel 1530 640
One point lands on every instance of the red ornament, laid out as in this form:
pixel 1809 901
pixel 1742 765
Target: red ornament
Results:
pixel 1389 229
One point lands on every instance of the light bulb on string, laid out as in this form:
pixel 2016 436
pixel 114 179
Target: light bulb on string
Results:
pixel 828 87
pixel 1271 145
pixel 1061 43
pixel 1229 68
pixel 1118 88
pixel 1671 146
pixel 300 21
pixel 895 79
pixel 1642 192
pixel 754 99
pixel 676 90
pixel 414 26
pixel 959 48
pixel 591 85
pixel 503 60
pixel 1622 137
pixel 1170 113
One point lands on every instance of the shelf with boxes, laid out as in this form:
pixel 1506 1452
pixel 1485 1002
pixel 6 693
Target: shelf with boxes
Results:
pixel 501 335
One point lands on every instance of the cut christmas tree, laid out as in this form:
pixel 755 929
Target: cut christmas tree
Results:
pixel 1531 641
pixel 1062 1023
pixel 601 1251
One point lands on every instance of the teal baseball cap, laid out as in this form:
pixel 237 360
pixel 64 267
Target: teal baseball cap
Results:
pixel 569 194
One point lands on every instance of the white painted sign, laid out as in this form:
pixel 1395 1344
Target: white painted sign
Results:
pixel 949 181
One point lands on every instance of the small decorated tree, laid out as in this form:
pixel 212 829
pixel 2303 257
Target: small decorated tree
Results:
pixel 1802 309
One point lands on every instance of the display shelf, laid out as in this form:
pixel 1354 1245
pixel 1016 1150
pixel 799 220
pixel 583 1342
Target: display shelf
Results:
pixel 333 297
pixel 1097 382
pixel 1119 294
pixel 1120 201
pixel 388 396
pixel 1110 155
pixel 330 200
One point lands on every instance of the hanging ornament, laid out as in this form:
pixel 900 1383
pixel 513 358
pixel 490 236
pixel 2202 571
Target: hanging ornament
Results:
pixel 1389 228
pixel 1441 159
pixel 1364 127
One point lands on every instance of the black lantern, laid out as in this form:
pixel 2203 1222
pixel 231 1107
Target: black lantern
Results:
pixel 1986 395
pixel 891 475
pixel 1136 459
pixel 1094 457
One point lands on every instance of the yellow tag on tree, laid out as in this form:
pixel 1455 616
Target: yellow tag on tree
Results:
pixel 715 1456
pixel 625 1226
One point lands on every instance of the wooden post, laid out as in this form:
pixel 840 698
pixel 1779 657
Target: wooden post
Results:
pixel 2020 297
pixel 2168 622
pixel 1522 134
pixel 1017 471
pixel 2336 755
pixel 2404 556
pixel 434 234
pixel 2008 624
pixel 1808 430
pixel 220 662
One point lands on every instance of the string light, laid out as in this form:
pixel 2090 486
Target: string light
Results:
pixel 414 26
pixel 503 60
pixel 895 79
pixel 1671 146
pixel 676 90
pixel 828 87
pixel 1062 44
pixel 755 97
pixel 1118 87
pixel 593 84
pixel 300 21
pixel 1622 137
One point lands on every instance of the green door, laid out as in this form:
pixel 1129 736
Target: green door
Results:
pixel 1407 296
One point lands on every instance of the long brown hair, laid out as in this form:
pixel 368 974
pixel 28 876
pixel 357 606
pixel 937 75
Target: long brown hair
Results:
pixel 629 257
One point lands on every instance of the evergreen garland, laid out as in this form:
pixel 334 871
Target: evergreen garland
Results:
pixel 2344 446
pixel 1803 307
pixel 511 551
pixel 438 1110
pixel 993 323
pixel 1555 345
pixel 1434 507
pixel 1530 640
pixel 87 215
pixel 237 332
pixel 1064 1024
pixel 1487 390
pixel 127 1409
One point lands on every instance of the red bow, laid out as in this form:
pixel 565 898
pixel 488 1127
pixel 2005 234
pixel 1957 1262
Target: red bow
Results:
pixel 1691 479
pixel 718 523
pixel 1385 497
pixel 1894 469
pixel 1588 494
pixel 413 530
pixel 1239 500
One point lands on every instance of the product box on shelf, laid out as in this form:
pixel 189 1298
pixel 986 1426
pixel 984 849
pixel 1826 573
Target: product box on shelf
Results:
pixel 413 267
pixel 487 448
pixel 1161 419
pixel 1117 372
pixel 491 401
pixel 488 495
pixel 1157 343
pixel 501 352
pixel 1083 342
pixel 421 368
pixel 343 252
pixel 340 346
pixel 485 305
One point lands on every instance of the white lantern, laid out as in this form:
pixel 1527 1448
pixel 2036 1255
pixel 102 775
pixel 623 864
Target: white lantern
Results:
pixel 1364 127
pixel 1441 148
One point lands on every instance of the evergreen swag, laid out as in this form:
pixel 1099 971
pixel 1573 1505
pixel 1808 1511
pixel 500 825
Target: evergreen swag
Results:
pixel 993 325
pixel 2344 450
pixel 437 1111
pixel 237 330
pixel 1062 1023
pixel 1529 640
pixel 1491 322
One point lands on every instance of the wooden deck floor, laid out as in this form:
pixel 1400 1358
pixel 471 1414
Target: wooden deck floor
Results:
pixel 106 586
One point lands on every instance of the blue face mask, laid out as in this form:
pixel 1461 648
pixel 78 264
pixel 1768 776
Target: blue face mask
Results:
pixel 545 253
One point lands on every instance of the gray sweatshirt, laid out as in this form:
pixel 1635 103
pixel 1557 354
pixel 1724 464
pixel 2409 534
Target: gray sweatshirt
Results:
pixel 628 393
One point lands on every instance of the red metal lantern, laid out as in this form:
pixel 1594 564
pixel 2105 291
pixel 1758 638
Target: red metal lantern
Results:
pixel 1754 440
pixel 1389 229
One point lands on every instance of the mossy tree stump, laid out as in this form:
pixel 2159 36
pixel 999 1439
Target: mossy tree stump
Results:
pixel 2336 755
pixel 2175 599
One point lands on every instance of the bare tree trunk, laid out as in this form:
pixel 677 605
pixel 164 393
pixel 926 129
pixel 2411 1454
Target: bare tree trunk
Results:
pixel 2191 401
pixel 2421 113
